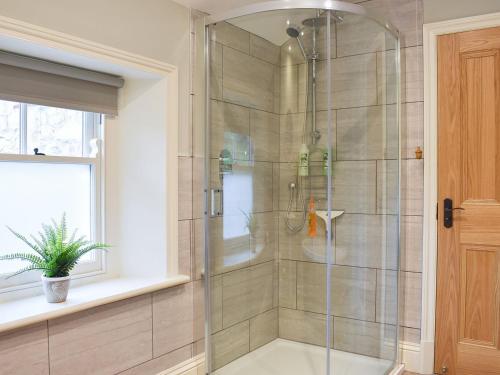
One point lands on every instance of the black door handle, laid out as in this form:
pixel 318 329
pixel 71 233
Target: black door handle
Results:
pixel 448 212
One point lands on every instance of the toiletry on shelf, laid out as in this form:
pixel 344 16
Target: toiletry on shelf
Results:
pixel 304 160
pixel 313 220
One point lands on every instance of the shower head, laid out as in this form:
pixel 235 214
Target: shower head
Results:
pixel 294 32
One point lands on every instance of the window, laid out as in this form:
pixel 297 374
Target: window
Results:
pixel 36 188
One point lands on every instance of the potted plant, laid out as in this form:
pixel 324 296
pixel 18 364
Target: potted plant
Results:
pixel 55 255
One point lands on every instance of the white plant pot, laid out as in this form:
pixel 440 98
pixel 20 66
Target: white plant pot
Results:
pixel 56 288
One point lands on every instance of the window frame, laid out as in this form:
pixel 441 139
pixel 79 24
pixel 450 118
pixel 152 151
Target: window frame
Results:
pixel 93 148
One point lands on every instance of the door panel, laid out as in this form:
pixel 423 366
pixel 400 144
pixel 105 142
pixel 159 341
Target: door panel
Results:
pixel 467 310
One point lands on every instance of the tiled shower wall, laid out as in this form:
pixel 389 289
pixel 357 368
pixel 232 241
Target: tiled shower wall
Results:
pixel 244 121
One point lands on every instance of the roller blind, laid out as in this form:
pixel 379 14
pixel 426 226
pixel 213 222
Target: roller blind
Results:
pixel 29 80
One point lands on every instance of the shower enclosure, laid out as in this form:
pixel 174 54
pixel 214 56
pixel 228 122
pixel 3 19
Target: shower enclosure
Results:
pixel 302 190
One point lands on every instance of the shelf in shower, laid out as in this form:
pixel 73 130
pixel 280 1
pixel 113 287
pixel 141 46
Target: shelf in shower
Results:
pixel 324 214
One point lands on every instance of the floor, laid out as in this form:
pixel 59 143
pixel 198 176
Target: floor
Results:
pixel 283 357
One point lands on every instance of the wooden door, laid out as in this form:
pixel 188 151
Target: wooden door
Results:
pixel 467 315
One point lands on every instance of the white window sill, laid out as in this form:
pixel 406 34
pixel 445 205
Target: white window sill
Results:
pixel 31 310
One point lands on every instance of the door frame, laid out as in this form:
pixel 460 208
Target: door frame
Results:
pixel 425 363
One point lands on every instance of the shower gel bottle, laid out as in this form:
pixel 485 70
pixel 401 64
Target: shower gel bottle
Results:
pixel 304 160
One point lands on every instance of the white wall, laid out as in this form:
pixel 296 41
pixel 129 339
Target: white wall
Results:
pixel 154 28
pixel 440 10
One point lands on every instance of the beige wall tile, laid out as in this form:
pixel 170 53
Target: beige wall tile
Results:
pixel 230 344
pixel 231 36
pixel 367 241
pixel 25 351
pixel 172 319
pixel 387 78
pixel 410 304
pixel 411 243
pixel 276 186
pixel 354 186
pixel 291 136
pixel 185 188
pixel 264 50
pixel 412 187
pixel 227 254
pixel 103 340
pixel 354 82
pixel 247 292
pixel 264 135
pixel 216 71
pixel 410 335
pixel 352 288
pixel 367 133
pixel 302 326
pixel 185 247
pixel 248 81
pixel 199 309
pixel 358 35
pixel 288 284
pixel 198 187
pixel 289 100
pixel 199 248
pixel 413 82
pixel 412 129
pixel 216 303
pixel 162 363
pixel 263 329
pixel 264 241
pixel 366 338
pixel 262 179
pixel 230 130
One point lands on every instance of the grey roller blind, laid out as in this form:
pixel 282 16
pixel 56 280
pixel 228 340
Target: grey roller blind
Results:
pixel 30 80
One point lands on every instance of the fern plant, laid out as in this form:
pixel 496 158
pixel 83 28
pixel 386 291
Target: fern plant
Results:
pixel 56 255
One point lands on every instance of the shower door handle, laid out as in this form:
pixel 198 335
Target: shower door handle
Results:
pixel 216 202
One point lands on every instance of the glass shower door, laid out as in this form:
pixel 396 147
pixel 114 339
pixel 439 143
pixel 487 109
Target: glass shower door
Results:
pixel 267 157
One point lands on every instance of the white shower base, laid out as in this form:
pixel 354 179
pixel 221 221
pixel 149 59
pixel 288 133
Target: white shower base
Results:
pixel 283 357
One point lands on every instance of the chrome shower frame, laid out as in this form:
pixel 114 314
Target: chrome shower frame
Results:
pixel 322 5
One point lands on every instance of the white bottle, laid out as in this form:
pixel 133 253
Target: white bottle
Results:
pixel 304 160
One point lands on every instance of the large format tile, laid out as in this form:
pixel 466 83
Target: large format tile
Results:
pixel 199 309
pixel 229 130
pixel 25 351
pixel 354 184
pixel 288 284
pixel 199 248
pixel 359 34
pixel 230 344
pixel 367 241
pixel 412 187
pixel 248 81
pixel 412 129
pixel 103 340
pixel 263 328
pixel 262 187
pixel 231 36
pixel 354 82
pixel 289 86
pixel 247 292
pixel 410 303
pixel 185 188
pixel 229 243
pixel 184 238
pixel 367 133
pixel 264 50
pixel 264 239
pixel 198 187
pixel 302 326
pixel 352 290
pixel 264 135
pixel 413 68
pixel 166 361
pixel 366 338
pixel 216 302
pixel 411 243
pixel 215 71
pixel 172 319
pixel 291 136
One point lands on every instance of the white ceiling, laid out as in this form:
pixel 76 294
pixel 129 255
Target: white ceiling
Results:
pixel 215 6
